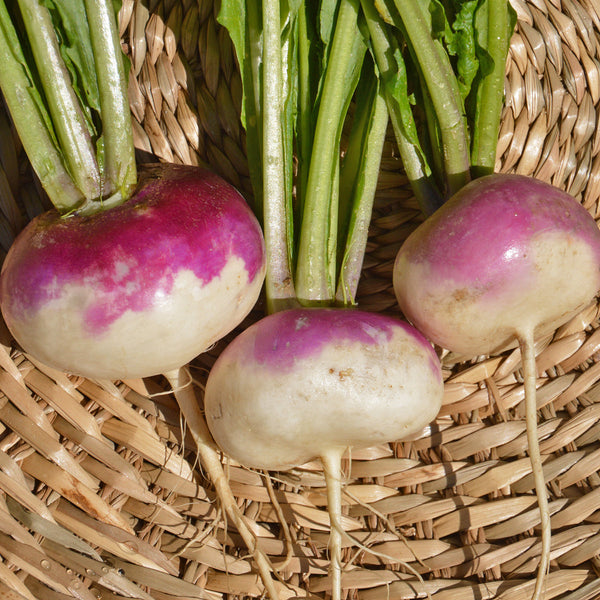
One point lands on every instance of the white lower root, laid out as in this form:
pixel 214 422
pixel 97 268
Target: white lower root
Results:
pixel 181 383
pixel 333 479
pixel 332 468
pixel 530 376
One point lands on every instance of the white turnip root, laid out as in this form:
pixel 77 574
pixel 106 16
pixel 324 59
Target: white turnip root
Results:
pixel 308 383
pixel 506 260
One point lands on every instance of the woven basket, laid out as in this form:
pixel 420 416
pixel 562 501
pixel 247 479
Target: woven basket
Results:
pixel 100 492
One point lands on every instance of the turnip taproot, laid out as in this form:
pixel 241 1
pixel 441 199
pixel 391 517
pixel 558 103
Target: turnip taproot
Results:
pixel 118 283
pixel 313 382
pixel 506 260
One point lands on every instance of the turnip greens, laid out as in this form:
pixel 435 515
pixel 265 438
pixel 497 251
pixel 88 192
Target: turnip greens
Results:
pixel 434 68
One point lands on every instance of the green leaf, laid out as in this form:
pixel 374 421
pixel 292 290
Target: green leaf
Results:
pixel 481 30
pixel 464 46
pixel 327 12
pixel 232 16
pixel 439 24
pixel 397 88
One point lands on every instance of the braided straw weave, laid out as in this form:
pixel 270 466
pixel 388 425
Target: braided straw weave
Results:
pixel 100 492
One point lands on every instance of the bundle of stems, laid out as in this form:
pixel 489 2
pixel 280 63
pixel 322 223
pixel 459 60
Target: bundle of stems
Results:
pixel 432 69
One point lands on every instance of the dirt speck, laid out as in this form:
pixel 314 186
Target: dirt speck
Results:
pixel 460 295
pixel 343 373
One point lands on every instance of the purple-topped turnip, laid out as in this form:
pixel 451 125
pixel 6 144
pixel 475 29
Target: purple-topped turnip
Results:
pixel 304 383
pixel 506 260
pixel 312 383
pixel 139 289
pixel 506 255
pixel 124 279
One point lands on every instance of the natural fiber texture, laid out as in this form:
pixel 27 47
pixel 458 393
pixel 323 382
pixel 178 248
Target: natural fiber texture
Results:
pixel 101 495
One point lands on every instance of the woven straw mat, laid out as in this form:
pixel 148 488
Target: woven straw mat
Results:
pixel 101 495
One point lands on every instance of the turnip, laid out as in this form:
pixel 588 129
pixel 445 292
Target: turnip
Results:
pixel 507 259
pixel 124 279
pixel 139 289
pixel 314 382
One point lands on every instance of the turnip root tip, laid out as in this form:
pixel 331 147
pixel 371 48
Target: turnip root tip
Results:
pixel 508 259
pixel 181 382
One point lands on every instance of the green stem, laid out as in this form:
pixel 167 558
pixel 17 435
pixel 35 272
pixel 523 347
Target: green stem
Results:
pixel 120 175
pixel 443 89
pixel 363 162
pixel 305 106
pixel 289 70
pixel 490 97
pixel 64 107
pixel 279 282
pixel 417 170
pixel 315 271
pixel 31 123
